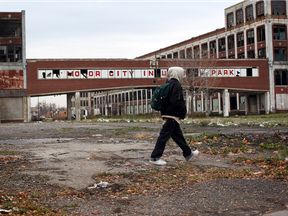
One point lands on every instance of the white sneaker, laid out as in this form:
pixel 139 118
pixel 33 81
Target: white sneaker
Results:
pixel 158 162
pixel 193 154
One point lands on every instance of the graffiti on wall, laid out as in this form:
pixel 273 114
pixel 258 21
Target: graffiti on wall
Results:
pixel 11 79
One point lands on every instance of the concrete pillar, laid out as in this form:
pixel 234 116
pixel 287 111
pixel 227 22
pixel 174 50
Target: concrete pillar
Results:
pixel 194 102
pixel 146 93
pixel 219 103
pixel 137 102
pixel 246 104
pixel 225 97
pixel 26 109
pixel 69 105
pixel 267 102
pixel 77 106
pixel 238 101
pixel 258 103
pixel 142 103
pixel 202 102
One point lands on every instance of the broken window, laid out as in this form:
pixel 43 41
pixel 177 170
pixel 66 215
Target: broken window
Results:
pixel 169 56
pixel 222 45
pixel 278 7
pixel 261 33
pixel 249 13
pixel 249 71
pixel 231 42
pixel 189 53
pixel 196 52
pixel 279 32
pixel 175 55
pixel 260 9
pixel 241 56
pixel 262 53
pixel 250 37
pixel 281 77
pixel 204 50
pixel 10 28
pixel 182 54
pixel 84 73
pixel 10 53
pixel 251 54
pixel 239 16
pixel 230 20
pixel 213 47
pixel 240 39
pixel 280 54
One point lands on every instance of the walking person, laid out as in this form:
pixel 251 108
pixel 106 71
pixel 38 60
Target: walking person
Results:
pixel 173 111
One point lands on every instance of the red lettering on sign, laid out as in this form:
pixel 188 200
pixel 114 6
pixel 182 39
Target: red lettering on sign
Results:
pixel 97 73
pixel 77 73
pixel 231 72
pixel 219 72
pixel 118 73
pixel 164 72
pixel 144 73
pixel 225 72
pixel 111 73
pixel 90 73
pixel 131 72
pixel 124 72
pixel 213 72
pixel 151 73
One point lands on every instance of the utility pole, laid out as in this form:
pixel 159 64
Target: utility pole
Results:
pixel 131 72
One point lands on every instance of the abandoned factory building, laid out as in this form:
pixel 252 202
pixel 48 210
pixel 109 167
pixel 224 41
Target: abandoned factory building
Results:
pixel 241 67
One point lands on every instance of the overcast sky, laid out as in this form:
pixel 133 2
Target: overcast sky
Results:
pixel 112 29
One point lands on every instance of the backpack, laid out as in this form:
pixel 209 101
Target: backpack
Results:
pixel 159 96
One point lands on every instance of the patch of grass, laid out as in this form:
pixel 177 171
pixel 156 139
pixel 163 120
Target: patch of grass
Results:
pixel 7 152
pixel 66 129
pixel 130 150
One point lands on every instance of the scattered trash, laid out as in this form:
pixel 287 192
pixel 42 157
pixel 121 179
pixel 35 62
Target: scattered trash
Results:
pixel 257 173
pixel 95 212
pixel 7 211
pixel 100 185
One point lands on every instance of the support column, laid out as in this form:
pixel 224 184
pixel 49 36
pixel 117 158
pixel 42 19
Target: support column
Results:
pixel 258 103
pixel 77 106
pixel 267 102
pixel 202 104
pixel 194 102
pixel 238 101
pixel 219 103
pixel 26 109
pixel 225 97
pixel 146 93
pixel 69 105
pixel 246 104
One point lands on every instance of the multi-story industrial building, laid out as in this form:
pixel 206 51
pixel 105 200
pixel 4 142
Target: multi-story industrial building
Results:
pixel 253 30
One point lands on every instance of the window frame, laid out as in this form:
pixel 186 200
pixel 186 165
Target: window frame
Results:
pixel 221 42
pixel 241 42
pixel 260 8
pixel 279 81
pixel 279 32
pixel 239 16
pixel 230 20
pixel 274 4
pixel 249 18
pixel 231 41
pixel 262 56
pixel 261 33
pixel 213 49
pixel 250 40
pixel 280 56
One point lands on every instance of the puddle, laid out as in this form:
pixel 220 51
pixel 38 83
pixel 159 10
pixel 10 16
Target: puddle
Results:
pixel 33 140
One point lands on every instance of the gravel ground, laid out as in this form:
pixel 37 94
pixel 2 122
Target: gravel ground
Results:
pixel 234 196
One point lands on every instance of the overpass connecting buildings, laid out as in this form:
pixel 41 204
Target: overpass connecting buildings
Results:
pixel 243 66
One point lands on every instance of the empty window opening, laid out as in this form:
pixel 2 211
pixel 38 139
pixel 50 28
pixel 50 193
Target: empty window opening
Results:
pixel 182 54
pixel 281 77
pixel 84 72
pixel 175 55
pixel 249 13
pixel 213 47
pixel 222 45
pixel 56 73
pixel 260 9
pixel 189 53
pixel 231 44
pixel 196 52
pixel 239 16
pixel 169 56
pixel 240 39
pixel 279 32
pixel 262 53
pixel 249 71
pixel 251 54
pixel 278 7
pixel 10 28
pixel 261 34
pixel 204 50
pixel 241 56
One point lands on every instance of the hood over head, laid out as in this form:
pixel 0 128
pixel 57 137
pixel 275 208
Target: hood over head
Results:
pixel 176 72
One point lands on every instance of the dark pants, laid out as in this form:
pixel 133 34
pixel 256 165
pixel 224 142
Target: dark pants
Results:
pixel 170 129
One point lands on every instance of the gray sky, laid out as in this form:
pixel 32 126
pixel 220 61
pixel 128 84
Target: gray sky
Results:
pixel 112 29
